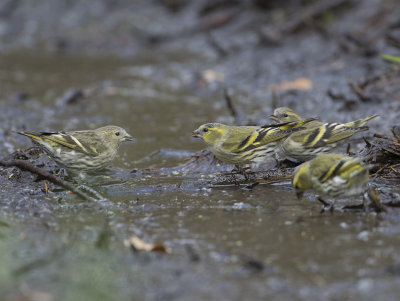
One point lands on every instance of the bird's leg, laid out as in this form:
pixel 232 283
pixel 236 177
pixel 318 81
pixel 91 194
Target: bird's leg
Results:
pixel 365 202
pixel 277 163
pixel 233 172
pixel 234 179
pixel 62 173
pixel 68 175
pixel 238 169
pixel 246 175
pixel 348 149
pixel 327 205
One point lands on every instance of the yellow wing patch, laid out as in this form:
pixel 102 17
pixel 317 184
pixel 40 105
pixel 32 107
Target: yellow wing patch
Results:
pixel 249 141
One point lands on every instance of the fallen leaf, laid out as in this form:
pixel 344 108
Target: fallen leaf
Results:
pixel 301 83
pixel 138 244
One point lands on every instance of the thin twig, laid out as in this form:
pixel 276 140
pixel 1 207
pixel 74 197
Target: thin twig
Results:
pixel 379 171
pixel 299 19
pixel 378 77
pixel 27 166
pixel 229 104
pixel 359 92
pixel 368 144
pixel 216 45
pixel 385 137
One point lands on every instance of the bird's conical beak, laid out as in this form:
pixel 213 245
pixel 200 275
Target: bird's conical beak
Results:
pixel 128 138
pixel 196 134
pixel 299 194
pixel 273 117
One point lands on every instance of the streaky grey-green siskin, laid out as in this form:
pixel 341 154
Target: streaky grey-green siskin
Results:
pixel 82 151
pixel 317 137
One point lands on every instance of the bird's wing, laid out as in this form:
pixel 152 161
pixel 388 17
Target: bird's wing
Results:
pixel 272 134
pixel 238 139
pixel 335 132
pixel 345 168
pixel 86 142
pixel 325 134
pixel 269 134
pixel 243 139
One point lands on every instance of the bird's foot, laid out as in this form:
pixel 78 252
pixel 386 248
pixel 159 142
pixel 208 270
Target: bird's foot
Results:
pixel 242 170
pixel 277 163
pixel 250 186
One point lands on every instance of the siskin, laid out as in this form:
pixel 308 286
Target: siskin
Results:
pixel 245 144
pixel 82 151
pixel 318 137
pixel 331 175
pixel 284 114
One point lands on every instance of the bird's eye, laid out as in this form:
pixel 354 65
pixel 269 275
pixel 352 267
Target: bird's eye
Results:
pixel 116 133
pixel 205 130
pixel 285 115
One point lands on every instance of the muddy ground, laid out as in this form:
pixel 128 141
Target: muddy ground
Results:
pixel 159 69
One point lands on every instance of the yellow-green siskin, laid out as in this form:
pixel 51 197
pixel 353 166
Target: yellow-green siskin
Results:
pixel 245 144
pixel 331 175
pixel 284 114
pixel 82 151
pixel 317 137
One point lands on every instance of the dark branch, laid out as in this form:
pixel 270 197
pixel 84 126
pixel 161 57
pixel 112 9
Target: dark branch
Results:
pixel 27 166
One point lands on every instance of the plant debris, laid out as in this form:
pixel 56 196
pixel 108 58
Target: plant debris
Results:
pixel 136 244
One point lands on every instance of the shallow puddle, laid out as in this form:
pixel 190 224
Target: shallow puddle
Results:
pixel 226 243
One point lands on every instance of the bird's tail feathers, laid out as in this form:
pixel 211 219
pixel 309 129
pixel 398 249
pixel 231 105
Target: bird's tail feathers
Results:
pixel 31 135
pixel 360 122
